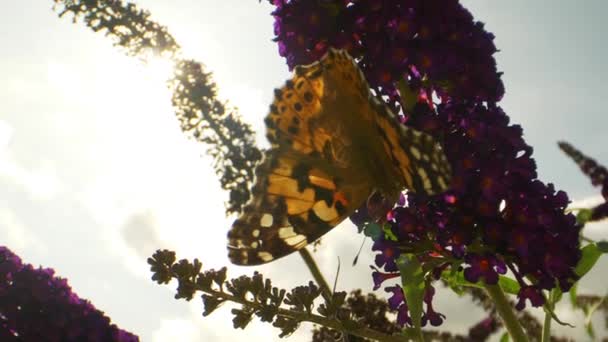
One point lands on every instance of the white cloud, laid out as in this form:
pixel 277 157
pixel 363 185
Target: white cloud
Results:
pixel 41 183
pixel 586 202
pixel 16 236
pixel 177 329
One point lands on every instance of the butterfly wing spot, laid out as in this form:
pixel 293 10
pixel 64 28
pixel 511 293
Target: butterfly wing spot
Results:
pixel 265 221
pixel 255 233
pixel 322 182
pixel 340 197
pixel 286 232
pixel 442 182
pixel 291 238
pixel 288 188
pixel 426 182
pixel 265 256
pixel 415 152
pixel 324 211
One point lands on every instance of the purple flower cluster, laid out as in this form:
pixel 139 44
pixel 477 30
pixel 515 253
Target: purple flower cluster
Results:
pixel 393 38
pixel 598 174
pixel 496 215
pixel 398 303
pixel 36 306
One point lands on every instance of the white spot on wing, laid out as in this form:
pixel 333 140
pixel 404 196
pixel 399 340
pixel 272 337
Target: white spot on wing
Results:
pixel 266 220
pixel 286 232
pixel 296 241
pixel 265 256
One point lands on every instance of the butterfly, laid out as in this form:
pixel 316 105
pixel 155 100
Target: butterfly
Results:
pixel 333 143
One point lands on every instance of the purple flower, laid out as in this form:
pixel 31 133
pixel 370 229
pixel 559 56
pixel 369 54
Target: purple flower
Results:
pixel 487 267
pixel 380 277
pixel 35 305
pixel 396 298
pixel 495 202
pixel 388 255
pixel 360 216
pixel 430 315
pixel 599 212
pixel 531 293
pixel 483 329
pixel 397 302
pixel 595 171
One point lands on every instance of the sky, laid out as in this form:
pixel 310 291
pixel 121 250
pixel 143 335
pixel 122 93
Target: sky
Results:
pixel 95 174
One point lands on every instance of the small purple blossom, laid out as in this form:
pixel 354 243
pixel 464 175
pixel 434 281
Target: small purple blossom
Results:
pixel 397 302
pixel 380 277
pixel 35 305
pixel 531 293
pixel 430 315
pixel 487 267
pixel 388 255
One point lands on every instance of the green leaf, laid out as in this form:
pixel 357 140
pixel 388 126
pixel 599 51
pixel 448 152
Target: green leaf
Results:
pixel 602 246
pixel 555 295
pixel 589 315
pixel 583 216
pixel 412 281
pixel 505 337
pixel 589 329
pixel 573 294
pixel 388 232
pixel 408 97
pixel 372 230
pixel 508 285
pixel 456 279
pixel 590 254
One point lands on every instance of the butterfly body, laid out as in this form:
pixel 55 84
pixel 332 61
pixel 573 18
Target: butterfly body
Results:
pixel 332 144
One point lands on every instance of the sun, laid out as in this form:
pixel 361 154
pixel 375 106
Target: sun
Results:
pixel 160 68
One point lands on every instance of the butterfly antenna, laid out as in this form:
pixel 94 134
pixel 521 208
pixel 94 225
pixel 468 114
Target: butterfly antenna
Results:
pixel 344 335
pixel 336 279
pixel 359 252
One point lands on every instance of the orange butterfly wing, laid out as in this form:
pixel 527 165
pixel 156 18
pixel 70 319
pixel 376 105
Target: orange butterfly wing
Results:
pixel 333 143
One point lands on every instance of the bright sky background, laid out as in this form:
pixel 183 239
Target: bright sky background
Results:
pixel 95 173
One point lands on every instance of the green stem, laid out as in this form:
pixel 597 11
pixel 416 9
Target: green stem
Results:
pixel 546 337
pixel 419 334
pixel 316 273
pixel 505 310
pixel 408 98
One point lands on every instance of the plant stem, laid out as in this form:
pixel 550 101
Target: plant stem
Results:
pixel 505 311
pixel 546 336
pixel 419 334
pixel 316 273
pixel 302 316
